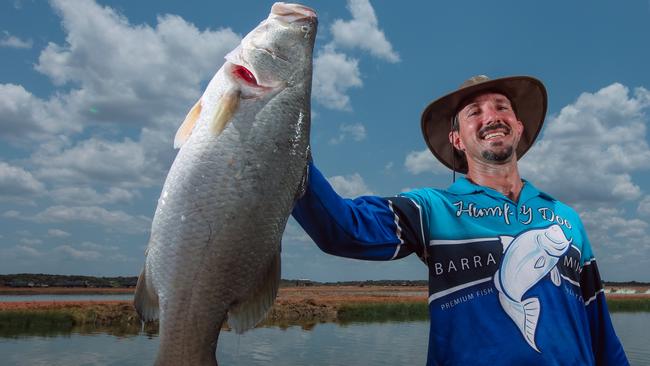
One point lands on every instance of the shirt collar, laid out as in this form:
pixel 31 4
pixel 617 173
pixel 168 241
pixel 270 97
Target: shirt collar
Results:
pixel 464 186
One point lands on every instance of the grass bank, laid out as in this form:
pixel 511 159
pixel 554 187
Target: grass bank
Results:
pixel 377 312
pixel 626 304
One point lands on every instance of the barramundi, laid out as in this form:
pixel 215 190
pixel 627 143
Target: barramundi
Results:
pixel 214 250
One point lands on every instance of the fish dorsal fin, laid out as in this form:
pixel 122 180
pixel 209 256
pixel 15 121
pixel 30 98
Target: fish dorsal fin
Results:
pixel 145 299
pixel 555 276
pixel 253 310
pixel 187 126
pixel 225 109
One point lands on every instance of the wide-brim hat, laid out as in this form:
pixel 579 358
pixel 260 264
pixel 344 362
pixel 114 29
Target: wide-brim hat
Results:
pixel 528 98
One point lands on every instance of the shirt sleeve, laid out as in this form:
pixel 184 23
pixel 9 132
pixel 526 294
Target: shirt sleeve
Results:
pixel 367 227
pixel 605 344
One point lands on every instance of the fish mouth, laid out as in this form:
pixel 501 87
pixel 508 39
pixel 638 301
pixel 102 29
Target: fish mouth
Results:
pixel 557 240
pixel 290 13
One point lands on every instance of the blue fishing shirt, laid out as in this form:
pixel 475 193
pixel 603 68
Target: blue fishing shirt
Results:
pixel 510 283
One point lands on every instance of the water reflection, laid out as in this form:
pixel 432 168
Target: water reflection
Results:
pixel 388 343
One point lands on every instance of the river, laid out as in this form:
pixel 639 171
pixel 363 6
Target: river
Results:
pixel 389 343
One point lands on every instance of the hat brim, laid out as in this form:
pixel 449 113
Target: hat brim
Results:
pixel 527 94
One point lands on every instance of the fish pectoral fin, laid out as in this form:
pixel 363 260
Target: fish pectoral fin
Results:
pixel 187 126
pixel 146 299
pixel 555 276
pixel 251 311
pixel 225 109
pixel 302 187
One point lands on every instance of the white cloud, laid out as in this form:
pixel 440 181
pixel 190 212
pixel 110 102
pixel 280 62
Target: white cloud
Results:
pixel 12 214
pixel 23 250
pixel 592 147
pixel 349 185
pixel 118 73
pixel 417 162
pixel 90 196
pixel 644 206
pixel 98 161
pixel 18 184
pixel 112 220
pixel 131 73
pixel 58 233
pixel 8 40
pixel 26 117
pixel 610 231
pixel 355 132
pixel 363 32
pixel 334 74
pixel 78 253
pixel 31 241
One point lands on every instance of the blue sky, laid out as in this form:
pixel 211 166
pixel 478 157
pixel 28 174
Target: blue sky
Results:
pixel 92 92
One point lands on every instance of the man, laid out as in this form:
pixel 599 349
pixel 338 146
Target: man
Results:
pixel 512 276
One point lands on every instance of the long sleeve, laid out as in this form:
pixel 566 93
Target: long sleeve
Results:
pixel 368 227
pixel 606 346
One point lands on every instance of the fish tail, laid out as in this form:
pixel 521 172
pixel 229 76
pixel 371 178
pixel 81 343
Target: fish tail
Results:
pixel 525 315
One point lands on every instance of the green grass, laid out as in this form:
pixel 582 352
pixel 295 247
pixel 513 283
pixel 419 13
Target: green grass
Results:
pixel 38 322
pixel 43 323
pixel 378 312
pixel 628 305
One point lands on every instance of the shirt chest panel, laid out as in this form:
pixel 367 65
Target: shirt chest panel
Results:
pixel 471 235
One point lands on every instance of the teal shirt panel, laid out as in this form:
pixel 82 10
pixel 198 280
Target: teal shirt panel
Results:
pixel 466 211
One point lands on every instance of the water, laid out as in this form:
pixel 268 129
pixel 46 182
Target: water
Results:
pixel 57 298
pixel 634 331
pixel 391 343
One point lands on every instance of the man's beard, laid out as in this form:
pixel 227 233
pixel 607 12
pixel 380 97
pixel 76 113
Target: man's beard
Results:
pixel 498 157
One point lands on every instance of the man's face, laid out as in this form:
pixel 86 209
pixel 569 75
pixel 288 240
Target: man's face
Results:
pixel 488 129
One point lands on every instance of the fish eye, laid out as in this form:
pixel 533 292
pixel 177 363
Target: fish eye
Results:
pixel 305 28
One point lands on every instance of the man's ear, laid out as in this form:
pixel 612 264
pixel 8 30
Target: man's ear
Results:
pixel 454 140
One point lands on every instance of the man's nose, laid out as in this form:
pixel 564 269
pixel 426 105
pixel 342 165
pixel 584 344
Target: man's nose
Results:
pixel 492 115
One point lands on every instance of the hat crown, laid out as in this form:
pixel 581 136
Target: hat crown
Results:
pixel 474 80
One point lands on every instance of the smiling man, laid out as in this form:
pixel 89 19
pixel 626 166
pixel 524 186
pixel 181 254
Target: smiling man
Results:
pixel 512 276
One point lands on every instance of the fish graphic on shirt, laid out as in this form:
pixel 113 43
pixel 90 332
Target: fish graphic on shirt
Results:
pixel 527 259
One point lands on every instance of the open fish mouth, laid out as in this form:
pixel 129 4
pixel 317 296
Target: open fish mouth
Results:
pixel 289 13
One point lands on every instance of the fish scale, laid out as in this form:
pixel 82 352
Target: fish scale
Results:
pixel 214 249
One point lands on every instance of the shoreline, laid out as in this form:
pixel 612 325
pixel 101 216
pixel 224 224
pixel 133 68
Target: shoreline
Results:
pixel 294 305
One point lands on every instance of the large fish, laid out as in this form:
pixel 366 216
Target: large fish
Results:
pixel 214 250
pixel 527 259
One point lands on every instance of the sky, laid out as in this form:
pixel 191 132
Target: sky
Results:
pixel 93 91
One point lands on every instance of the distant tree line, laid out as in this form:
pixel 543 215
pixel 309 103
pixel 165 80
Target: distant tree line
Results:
pixel 48 280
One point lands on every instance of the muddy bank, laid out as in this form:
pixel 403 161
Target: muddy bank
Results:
pixel 294 305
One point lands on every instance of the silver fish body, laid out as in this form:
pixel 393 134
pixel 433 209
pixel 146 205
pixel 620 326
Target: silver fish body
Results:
pixel 214 250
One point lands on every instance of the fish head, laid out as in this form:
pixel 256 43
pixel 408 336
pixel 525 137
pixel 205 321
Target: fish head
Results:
pixel 553 240
pixel 278 52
